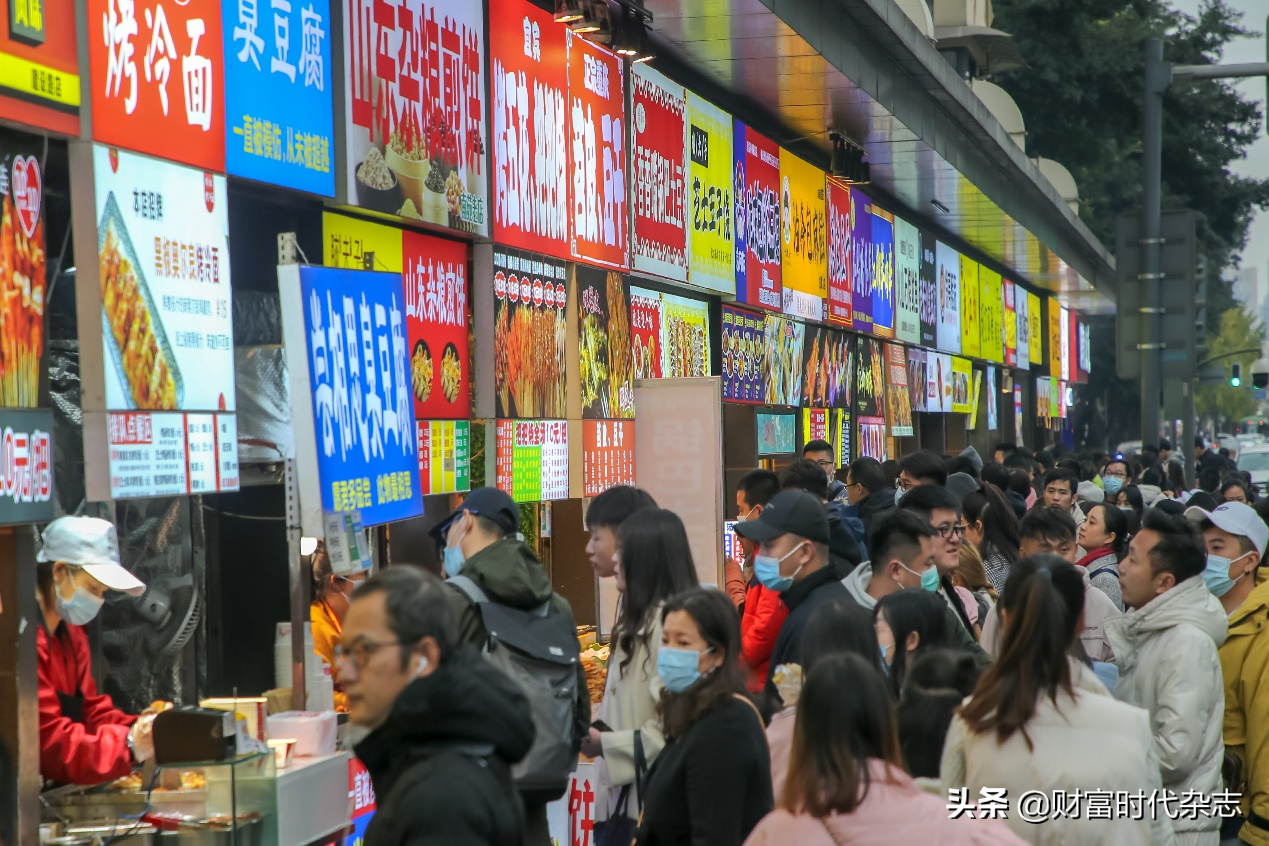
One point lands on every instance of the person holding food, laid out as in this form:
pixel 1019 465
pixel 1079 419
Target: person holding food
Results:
pixel 84 738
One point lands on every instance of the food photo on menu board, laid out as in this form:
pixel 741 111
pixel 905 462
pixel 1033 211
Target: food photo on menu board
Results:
pixel 646 318
pixel 961 369
pixel 745 370
pixel 917 367
pixel 435 280
pixel 826 368
pixel 782 353
pixel 670 335
pixel 898 407
pixel 23 266
pixel 605 351
pixel 531 297
pixel 872 437
pixel 869 390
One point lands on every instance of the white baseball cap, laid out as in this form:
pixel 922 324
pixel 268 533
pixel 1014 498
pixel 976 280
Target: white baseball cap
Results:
pixel 1237 518
pixel 91 544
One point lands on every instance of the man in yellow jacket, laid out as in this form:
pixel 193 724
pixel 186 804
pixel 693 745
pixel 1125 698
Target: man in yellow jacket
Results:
pixel 1236 539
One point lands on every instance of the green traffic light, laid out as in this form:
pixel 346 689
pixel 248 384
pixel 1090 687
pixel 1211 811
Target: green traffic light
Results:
pixel 1235 382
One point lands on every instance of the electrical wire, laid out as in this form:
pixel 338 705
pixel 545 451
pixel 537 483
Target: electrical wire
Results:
pixel 115 834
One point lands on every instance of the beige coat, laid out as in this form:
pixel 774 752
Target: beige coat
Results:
pixel 1086 742
pixel 630 705
pixel 1099 609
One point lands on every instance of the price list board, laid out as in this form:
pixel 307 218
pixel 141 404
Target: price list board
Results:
pixel 608 455
pixel 444 456
pixel 531 459
pixel 171 454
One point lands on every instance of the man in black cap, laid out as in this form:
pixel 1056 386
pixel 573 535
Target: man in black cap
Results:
pixel 482 543
pixel 792 559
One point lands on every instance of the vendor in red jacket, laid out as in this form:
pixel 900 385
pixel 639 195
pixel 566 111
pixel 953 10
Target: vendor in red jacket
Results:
pixel 84 738
pixel 764 612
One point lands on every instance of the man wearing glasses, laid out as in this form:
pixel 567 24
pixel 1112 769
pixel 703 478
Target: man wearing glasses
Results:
pixel 821 452
pixel 445 725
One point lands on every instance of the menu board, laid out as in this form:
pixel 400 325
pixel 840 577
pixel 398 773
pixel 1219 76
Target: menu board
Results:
pixel 670 335
pixel 862 261
pixel 1011 325
pixel 39 45
pixel 744 356
pixel 531 459
pixel 777 433
pixel 1035 332
pixel 826 368
pixel 1085 347
pixel 1064 346
pixel 1017 414
pixel 962 368
pixel 1043 388
pixel 872 437
pixel 348 339
pixel 758 223
pixel 804 256
pixel 435 282
pixel 529 66
pixel 658 132
pixel 444 456
pixel 841 439
pixel 930 290
pixel 869 381
pixel 23 271
pixel 598 213
pixel 993 401
pixel 26 466
pixel 916 379
pixel 608 455
pixel 841 266
pixel 171 454
pixel 814 425
pixel 783 342
pixel 1021 306
pixel 605 349
pixel 970 295
pixel 974 400
pixel 907 272
pixel 898 403
pixel 709 240
pixel 1054 323
pixel 531 297
pixel 278 87
pixel 949 291
pixel 991 313
pixel 882 273
pixel 1057 399
pixel 938 374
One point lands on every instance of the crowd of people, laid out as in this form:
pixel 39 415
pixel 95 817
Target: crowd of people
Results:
pixel 1048 648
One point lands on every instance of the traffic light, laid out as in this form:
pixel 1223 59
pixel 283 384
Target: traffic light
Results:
pixel 1236 376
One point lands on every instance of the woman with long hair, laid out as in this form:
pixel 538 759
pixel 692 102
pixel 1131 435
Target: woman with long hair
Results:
pixel 654 562
pixel 972 586
pixel 935 686
pixel 1129 496
pixel 1040 717
pixel 908 623
pixel 712 782
pixel 1104 534
pixel 846 780
pixel 992 527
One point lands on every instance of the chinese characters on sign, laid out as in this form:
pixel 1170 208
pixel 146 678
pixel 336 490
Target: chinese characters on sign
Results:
pixel 608 455
pixel 907 266
pixel 898 401
pixel 949 298
pixel 39 65
pixel 991 310
pixel 709 246
pixel 531 459
pixel 862 260
pixel 804 253
pixel 671 335
pixel 169 454
pixel 26 466
pixel 970 292
pixel 840 253
pixel 882 274
pixel 444 456
pixel 435 279
pixel 657 157
pixel 597 155
pixel 757 223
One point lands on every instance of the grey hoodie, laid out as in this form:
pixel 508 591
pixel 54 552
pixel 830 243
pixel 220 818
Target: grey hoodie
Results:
pixel 1168 664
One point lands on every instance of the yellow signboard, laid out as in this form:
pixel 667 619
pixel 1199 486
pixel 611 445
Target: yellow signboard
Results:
pixel 962 370
pixel 1035 342
pixel 709 194
pixel 969 308
pixel 991 311
pixel 804 245
pixel 1055 338
pixel 347 240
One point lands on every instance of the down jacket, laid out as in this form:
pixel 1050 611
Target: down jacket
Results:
pixel 759 628
pixel 1168 664
pixel 1245 665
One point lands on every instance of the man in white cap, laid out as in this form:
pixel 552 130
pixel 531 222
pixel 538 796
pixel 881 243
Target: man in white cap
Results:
pixel 1236 539
pixel 84 738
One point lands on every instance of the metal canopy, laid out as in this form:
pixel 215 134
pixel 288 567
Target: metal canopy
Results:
pixel 795 68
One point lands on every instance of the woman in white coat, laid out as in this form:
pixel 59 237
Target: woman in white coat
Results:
pixel 1041 722
pixel 653 563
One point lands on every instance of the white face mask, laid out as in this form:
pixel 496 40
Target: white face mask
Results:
pixel 82 608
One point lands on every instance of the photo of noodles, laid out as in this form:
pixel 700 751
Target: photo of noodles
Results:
pixel 529 363
pixel 451 373
pixel 421 371
pixel 22 270
pixel 143 353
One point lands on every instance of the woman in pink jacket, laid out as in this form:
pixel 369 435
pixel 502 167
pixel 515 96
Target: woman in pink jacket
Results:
pixel 846 782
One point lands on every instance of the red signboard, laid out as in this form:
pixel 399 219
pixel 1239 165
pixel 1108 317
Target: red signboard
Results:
pixel 839 254
pixel 435 280
pixel 657 141
pixel 157 78
pixel 645 333
pixel 597 155
pixel 608 455
pixel 758 280
pixel 39 66
pixel 530 124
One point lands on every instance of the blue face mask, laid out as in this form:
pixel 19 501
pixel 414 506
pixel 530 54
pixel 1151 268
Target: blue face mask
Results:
pixel 767 570
pixel 898 495
pixel 1112 484
pixel 679 669
pixel 929 579
pixel 453 558
pixel 885 662
pixel 1216 574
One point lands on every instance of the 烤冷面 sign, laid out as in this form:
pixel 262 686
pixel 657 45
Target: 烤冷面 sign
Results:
pixel 278 87
pixel 598 216
pixel 26 466
pixel 658 130
pixel 711 264
pixel 757 230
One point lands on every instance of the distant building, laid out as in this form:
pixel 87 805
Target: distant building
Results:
pixel 1246 286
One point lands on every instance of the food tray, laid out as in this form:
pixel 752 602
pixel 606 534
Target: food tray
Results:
pixel 112 214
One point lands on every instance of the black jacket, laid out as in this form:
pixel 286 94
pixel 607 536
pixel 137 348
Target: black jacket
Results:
pixel 712 785
pixel 843 550
pixel 441 762
pixel 802 599
pixel 873 506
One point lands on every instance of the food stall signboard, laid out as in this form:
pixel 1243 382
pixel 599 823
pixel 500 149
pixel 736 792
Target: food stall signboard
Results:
pixel 898 402
pixel 993 400
pixel 26 466
pixel 415 112
pixel 278 86
pixel 949 298
pixel 1035 337
pixel 1011 324
pixel 1054 323
pixel 970 292
pixel 670 335
pixel 907 269
pixel 928 274
pixel 861 259
pixel 840 255
pixel 1064 342
pixel 961 370
pixel 826 368
pixel 842 426
pixel 882 273
pixel 436 298
pixel 745 373
pixel 658 133
pixel 991 312
pixel 814 425
pixel 345 334
pixel 605 347
pixel 608 455
pixel 23 269
pixel 531 296
pixel 598 211
pixel 444 456
pixel 783 342
pixel 917 364
pixel 531 459
pixel 1017 414
pixel 156 72
pixel 804 237
pixel 529 54
pixel 870 400
pixel 711 264
pixel 39 65
pixel 757 219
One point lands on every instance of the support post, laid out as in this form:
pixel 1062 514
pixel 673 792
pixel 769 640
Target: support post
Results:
pixel 1157 79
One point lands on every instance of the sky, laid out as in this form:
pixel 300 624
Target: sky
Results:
pixel 1257 162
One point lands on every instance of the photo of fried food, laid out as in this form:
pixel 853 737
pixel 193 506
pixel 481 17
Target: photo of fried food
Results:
pixel 451 373
pixel 620 352
pixel 421 371
pixel 146 367
pixel 22 268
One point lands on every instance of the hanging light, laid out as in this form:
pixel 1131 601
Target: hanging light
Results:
pixel 595 19
pixel 837 162
pixel 567 11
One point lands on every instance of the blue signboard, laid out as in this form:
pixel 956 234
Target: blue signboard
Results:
pixel 279 124
pixel 363 401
